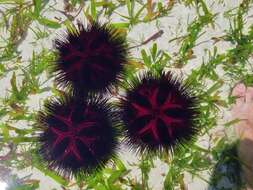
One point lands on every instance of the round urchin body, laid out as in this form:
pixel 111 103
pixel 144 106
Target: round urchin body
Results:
pixel 77 136
pixel 158 112
pixel 91 58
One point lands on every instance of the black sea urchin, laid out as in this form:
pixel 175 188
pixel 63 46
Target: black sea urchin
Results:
pixel 91 58
pixel 77 136
pixel 158 113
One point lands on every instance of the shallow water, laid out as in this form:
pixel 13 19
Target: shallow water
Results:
pixel 208 45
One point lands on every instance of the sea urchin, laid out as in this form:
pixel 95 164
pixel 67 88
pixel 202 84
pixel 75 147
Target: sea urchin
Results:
pixel 91 58
pixel 77 136
pixel 158 112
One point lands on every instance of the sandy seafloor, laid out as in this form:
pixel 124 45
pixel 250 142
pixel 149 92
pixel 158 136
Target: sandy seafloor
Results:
pixel 173 25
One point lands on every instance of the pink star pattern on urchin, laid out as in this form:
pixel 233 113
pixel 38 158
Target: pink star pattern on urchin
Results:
pixel 85 51
pixel 78 59
pixel 73 136
pixel 157 112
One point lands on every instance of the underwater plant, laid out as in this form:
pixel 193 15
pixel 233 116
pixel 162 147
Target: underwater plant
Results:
pixel 90 58
pixel 77 136
pixel 158 112
pixel 211 57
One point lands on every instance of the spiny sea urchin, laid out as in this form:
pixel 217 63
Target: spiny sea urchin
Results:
pixel 77 136
pixel 158 112
pixel 91 58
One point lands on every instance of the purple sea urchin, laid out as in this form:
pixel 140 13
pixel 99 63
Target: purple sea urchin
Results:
pixel 77 136
pixel 91 58
pixel 158 113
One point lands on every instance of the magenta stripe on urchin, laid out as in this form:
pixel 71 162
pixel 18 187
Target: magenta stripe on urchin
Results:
pixel 91 58
pixel 158 113
pixel 77 136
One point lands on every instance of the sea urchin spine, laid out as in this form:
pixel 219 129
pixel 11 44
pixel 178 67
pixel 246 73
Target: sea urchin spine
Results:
pixel 77 136
pixel 158 112
pixel 92 58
